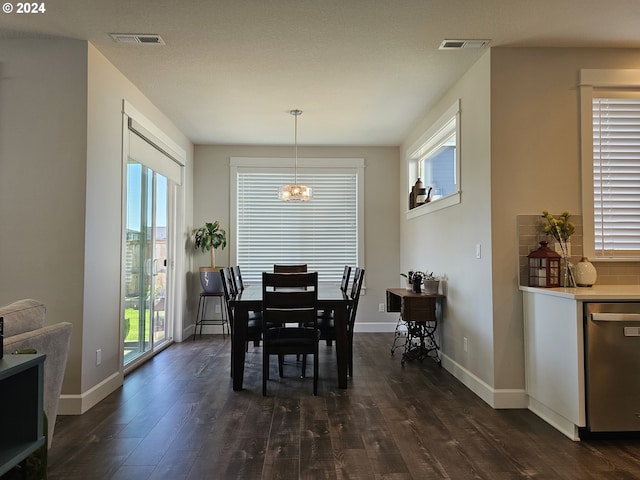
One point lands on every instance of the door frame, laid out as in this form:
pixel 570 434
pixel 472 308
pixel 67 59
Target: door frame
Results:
pixel 132 119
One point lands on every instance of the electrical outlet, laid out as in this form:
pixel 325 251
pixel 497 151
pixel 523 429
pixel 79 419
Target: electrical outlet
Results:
pixel 218 309
pixel 381 307
pixel 98 356
pixel 465 344
pixel 478 250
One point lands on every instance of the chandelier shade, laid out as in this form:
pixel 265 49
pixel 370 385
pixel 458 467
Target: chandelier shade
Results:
pixel 295 192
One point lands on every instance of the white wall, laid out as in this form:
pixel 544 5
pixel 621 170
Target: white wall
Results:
pixel 212 202
pixel 535 164
pixel 520 155
pixel 107 89
pixel 60 198
pixel 445 241
pixel 43 138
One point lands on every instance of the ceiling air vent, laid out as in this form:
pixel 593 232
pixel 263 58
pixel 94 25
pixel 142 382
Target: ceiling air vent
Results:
pixel 137 38
pixel 458 44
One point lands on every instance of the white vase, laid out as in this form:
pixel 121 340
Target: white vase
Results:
pixel 585 273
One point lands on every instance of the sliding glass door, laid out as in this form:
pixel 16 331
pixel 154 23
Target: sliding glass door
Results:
pixel 147 323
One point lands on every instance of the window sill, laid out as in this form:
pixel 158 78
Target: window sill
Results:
pixel 434 206
pixel 595 259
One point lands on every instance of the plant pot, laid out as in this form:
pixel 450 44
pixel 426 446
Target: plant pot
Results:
pixel 431 286
pixel 211 280
pixel 417 287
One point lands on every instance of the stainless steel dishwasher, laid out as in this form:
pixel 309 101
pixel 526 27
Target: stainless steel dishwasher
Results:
pixel 612 357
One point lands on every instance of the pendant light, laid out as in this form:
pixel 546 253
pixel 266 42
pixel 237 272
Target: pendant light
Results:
pixel 295 192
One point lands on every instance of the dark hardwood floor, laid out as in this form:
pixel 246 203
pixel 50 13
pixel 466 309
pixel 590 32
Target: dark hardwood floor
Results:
pixel 177 417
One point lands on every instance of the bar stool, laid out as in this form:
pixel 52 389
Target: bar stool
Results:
pixel 202 309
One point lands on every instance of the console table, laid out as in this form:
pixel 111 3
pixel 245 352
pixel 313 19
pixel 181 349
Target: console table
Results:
pixel 21 414
pixel 419 315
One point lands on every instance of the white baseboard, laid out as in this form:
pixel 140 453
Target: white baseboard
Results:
pixel 560 423
pixel 78 404
pixel 496 398
pixel 375 327
pixel 207 330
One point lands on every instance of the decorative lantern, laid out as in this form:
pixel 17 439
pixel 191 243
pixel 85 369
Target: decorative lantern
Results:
pixel 544 267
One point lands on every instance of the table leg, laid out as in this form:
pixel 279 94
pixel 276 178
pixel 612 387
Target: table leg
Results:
pixel 342 340
pixel 238 338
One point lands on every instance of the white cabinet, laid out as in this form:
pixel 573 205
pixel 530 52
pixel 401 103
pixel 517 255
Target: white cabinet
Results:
pixel 554 360
pixel 554 350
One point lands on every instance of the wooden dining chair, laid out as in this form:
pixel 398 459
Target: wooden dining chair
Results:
pixel 289 326
pixel 237 277
pixel 279 268
pixel 227 278
pixel 346 274
pixel 325 317
pixel 358 279
pixel 254 324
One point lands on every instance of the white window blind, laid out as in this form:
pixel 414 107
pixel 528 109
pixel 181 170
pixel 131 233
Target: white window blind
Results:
pixel 323 233
pixel 616 175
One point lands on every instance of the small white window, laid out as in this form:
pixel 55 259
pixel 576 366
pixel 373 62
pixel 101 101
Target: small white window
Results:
pixel 435 159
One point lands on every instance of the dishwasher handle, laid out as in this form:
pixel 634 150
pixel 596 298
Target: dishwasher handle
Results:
pixel 615 317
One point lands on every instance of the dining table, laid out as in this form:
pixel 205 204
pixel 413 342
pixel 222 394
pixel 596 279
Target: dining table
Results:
pixel 330 297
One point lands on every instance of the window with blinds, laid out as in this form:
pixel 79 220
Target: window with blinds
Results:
pixel 323 233
pixel 616 174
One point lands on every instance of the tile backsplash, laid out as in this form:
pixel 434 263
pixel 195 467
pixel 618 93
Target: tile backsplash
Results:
pixel 609 273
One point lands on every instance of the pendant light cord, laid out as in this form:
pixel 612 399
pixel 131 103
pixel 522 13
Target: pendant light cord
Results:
pixel 296 113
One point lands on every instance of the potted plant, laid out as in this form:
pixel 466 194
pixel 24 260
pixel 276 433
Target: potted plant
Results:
pixel 431 283
pixel 416 279
pixel 209 238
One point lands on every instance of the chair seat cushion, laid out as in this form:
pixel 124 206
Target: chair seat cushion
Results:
pixel 324 323
pixel 254 329
pixel 254 323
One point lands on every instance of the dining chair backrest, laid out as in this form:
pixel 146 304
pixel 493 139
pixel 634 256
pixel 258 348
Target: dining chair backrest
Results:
pixel 227 279
pixel 279 268
pixel 237 277
pixel 358 278
pixel 344 284
pixel 227 292
pixel 289 298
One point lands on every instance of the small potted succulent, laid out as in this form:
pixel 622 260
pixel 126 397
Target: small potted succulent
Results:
pixel 208 238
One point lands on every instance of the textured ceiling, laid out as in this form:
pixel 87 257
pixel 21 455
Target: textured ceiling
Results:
pixel 363 71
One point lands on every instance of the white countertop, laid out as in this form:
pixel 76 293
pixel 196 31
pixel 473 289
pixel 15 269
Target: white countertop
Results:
pixel 594 293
